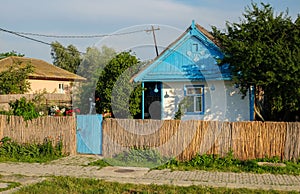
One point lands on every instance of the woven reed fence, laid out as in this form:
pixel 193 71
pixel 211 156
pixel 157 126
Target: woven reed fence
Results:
pixel 184 139
pixel 36 130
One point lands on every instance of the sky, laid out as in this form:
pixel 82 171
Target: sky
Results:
pixel 96 17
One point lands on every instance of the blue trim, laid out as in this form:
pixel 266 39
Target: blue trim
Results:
pixel 251 103
pixel 185 80
pixel 193 24
pixel 143 101
pixel 202 98
pixel 161 101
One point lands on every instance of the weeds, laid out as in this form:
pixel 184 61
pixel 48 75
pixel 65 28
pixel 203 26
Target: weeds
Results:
pixel 10 185
pixel 81 185
pixel 144 157
pixel 12 151
pixel 151 158
pixel 230 164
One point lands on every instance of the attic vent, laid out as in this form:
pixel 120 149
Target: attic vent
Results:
pixel 195 47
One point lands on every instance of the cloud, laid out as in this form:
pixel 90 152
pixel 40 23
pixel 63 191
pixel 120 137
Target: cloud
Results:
pixel 70 17
pixel 66 14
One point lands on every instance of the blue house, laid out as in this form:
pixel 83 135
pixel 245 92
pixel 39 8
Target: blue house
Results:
pixel 186 77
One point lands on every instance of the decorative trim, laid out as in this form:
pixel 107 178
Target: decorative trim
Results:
pixel 143 101
pixel 162 107
pixel 251 102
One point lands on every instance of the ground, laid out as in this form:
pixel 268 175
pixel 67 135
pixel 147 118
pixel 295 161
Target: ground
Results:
pixel 76 166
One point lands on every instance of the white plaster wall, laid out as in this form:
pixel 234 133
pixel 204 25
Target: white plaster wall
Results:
pixel 222 101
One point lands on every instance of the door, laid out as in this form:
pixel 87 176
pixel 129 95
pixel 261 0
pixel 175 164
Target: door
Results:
pixel 152 104
pixel 89 134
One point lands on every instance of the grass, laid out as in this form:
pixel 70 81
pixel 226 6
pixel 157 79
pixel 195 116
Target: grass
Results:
pixel 100 163
pixel 80 185
pixel 230 164
pixel 10 185
pixel 15 152
pixel 133 157
pixel 152 159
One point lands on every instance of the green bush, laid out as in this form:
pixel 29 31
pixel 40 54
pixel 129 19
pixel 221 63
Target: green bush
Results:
pixel 12 151
pixel 24 108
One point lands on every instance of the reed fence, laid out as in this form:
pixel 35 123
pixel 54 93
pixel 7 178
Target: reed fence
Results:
pixel 184 139
pixel 35 131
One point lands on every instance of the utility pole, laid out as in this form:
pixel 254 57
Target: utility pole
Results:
pixel 154 38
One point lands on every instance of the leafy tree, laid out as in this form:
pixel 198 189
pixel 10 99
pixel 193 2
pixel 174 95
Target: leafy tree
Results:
pixel 126 96
pixel 11 53
pixel 68 58
pixel 91 68
pixel 263 51
pixel 116 93
pixel 103 69
pixel 14 79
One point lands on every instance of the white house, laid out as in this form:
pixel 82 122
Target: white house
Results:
pixel 187 73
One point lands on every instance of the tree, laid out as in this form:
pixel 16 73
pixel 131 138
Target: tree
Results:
pixel 115 92
pixel 91 68
pixel 263 51
pixel 68 58
pixel 14 79
pixel 11 53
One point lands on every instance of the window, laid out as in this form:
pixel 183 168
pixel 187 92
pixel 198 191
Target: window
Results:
pixel 61 88
pixel 195 98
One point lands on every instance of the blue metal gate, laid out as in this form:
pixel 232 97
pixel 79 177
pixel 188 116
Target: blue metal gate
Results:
pixel 89 134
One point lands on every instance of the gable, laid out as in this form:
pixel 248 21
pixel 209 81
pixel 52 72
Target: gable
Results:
pixel 193 56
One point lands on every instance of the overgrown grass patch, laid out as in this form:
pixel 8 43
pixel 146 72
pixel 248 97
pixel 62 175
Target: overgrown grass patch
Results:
pixel 43 152
pixel 134 157
pixel 10 185
pixel 152 159
pixel 81 185
pixel 230 164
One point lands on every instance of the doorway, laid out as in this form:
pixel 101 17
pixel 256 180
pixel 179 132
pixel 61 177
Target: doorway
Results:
pixel 152 100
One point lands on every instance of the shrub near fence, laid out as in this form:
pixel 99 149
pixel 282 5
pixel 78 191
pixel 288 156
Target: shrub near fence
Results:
pixel 36 130
pixel 184 139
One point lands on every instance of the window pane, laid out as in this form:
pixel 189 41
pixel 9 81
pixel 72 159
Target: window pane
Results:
pixel 194 91
pixel 198 103
pixel 190 104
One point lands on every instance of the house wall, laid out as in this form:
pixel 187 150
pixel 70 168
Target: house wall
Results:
pixel 222 101
pixel 50 86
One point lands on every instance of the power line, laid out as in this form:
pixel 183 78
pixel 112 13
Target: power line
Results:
pixel 29 38
pixel 23 36
pixel 79 36
pixel 27 34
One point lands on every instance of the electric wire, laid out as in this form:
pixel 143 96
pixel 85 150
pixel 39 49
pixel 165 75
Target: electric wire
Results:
pixel 76 36
pixel 23 36
pixel 27 34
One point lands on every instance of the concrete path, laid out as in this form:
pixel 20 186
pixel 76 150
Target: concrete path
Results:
pixel 75 166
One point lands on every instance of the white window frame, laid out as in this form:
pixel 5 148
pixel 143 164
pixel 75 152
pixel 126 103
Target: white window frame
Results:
pixel 196 95
pixel 61 88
